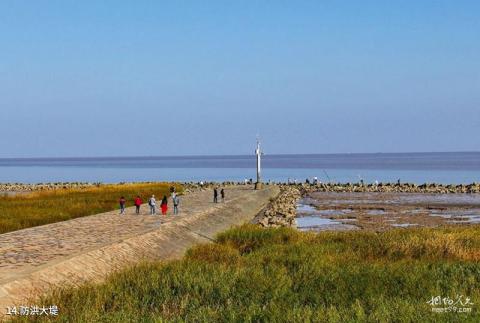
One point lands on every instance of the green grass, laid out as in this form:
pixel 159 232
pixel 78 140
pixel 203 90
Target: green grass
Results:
pixel 282 275
pixel 38 208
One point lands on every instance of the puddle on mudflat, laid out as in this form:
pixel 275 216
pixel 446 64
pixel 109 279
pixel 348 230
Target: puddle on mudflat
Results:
pixel 333 212
pixel 310 209
pixel 377 212
pixel 414 211
pixel 357 198
pixel 305 208
pixel 466 220
pixel 445 216
pixel 459 216
pixel 314 221
pixel 403 225
pixel 311 219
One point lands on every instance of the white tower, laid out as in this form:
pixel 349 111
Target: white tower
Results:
pixel 258 152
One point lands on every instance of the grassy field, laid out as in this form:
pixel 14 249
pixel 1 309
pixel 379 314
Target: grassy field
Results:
pixel 282 275
pixel 38 208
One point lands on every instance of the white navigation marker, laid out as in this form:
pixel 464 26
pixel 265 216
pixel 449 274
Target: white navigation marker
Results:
pixel 258 152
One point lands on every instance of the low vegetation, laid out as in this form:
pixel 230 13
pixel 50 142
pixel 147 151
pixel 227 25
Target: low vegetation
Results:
pixel 282 275
pixel 43 207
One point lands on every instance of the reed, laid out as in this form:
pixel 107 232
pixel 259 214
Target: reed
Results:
pixel 282 275
pixel 43 207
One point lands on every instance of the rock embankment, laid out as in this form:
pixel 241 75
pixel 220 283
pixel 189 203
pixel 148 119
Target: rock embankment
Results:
pixel 281 211
pixel 320 187
pixel 432 188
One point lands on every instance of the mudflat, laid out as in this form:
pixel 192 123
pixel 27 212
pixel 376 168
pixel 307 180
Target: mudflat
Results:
pixel 380 211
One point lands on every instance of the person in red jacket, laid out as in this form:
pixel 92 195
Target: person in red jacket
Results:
pixel 164 205
pixel 138 202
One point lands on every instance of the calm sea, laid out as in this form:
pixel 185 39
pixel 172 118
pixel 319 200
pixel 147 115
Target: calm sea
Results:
pixel 408 167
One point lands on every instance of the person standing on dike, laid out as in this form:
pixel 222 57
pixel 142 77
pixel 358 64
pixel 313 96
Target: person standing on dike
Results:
pixel 164 205
pixel 138 202
pixel 152 203
pixel 122 202
pixel 215 195
pixel 222 194
pixel 176 201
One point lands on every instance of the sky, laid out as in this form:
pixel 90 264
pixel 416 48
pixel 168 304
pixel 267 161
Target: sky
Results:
pixel 155 78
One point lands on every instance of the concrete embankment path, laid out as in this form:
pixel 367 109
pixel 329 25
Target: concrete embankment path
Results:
pixel 87 249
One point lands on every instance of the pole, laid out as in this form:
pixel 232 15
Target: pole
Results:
pixel 258 153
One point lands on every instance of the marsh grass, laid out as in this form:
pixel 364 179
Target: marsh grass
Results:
pixel 282 275
pixel 43 207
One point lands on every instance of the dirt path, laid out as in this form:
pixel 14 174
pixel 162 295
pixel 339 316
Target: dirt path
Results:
pixel 83 249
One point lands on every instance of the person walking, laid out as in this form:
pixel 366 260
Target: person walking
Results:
pixel 215 195
pixel 122 202
pixel 152 203
pixel 176 201
pixel 164 205
pixel 222 194
pixel 138 202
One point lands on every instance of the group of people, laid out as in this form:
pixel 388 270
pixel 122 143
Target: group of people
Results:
pixel 152 203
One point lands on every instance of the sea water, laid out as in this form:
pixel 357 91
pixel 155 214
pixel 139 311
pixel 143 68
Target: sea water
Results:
pixel 455 168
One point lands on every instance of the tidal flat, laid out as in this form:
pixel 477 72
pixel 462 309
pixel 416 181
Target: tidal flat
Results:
pixel 380 211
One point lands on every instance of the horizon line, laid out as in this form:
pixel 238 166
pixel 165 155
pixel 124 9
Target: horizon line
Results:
pixel 243 155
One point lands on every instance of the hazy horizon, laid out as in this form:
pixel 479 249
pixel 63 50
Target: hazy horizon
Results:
pixel 245 155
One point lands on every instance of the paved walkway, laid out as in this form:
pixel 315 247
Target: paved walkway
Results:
pixel 31 260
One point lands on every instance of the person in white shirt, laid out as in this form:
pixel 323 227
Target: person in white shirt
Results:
pixel 152 203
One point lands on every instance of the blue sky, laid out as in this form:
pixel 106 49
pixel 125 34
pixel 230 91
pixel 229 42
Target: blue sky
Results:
pixel 126 78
